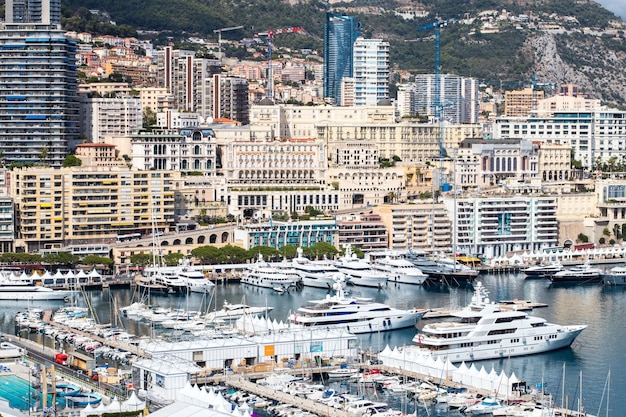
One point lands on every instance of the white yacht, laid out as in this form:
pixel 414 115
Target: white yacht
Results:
pixel 357 315
pixel 543 270
pixel 262 274
pixel 314 274
pixel 580 274
pixel 13 290
pixel 195 279
pixel 484 331
pixel 359 271
pixel 232 312
pixel 400 270
pixel 615 276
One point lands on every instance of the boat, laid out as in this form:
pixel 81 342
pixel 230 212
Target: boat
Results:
pixel 343 373
pixel 452 272
pixel 487 406
pixel 580 274
pixel 194 279
pixel 11 290
pixel 615 276
pixel 360 272
pixel 543 270
pixel 314 274
pixel 362 407
pixel 400 270
pixel 357 315
pixel 483 330
pixel 262 274
pixel 232 312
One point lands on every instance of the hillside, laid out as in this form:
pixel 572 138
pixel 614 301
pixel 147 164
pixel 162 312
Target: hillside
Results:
pixel 555 41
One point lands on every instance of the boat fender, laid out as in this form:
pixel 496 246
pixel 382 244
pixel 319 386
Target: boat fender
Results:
pixel 419 338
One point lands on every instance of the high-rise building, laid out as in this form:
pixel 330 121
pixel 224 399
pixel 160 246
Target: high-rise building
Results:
pixel 47 12
pixel 371 71
pixel 340 33
pixel 458 97
pixel 39 112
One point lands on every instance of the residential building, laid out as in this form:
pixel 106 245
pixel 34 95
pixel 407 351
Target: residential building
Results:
pixel 102 117
pixel 371 71
pixel 157 99
pixel 458 98
pixel 99 155
pixel 277 234
pixel 423 227
pixel 46 12
pixel 366 232
pixel 598 135
pixel 340 32
pixel 367 186
pixel 495 226
pixel 184 150
pixel 39 116
pixel 228 98
pixel 520 103
pixel 548 106
pixel 83 205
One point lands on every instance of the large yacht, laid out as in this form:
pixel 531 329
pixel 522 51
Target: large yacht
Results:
pixel 314 274
pixel 400 270
pixel 357 315
pixel 262 274
pixel 580 274
pixel 485 331
pixel 615 276
pixel 359 271
pixel 543 270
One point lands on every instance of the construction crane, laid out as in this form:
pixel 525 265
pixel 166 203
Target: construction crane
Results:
pixel 219 36
pixel 436 26
pixel 269 34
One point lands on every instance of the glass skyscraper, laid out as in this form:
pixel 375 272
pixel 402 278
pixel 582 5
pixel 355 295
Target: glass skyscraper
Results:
pixel 340 32
pixel 39 109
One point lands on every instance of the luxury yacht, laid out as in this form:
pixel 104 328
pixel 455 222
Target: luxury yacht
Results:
pixel 359 271
pixel 357 315
pixel 484 331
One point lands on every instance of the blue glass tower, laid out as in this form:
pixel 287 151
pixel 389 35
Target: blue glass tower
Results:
pixel 340 32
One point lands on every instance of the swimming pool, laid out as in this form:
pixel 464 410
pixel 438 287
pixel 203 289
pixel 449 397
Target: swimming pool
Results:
pixel 17 390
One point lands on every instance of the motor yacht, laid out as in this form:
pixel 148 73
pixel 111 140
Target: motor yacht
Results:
pixel 543 270
pixel 231 312
pixel 314 274
pixel 400 270
pixel 262 274
pixel 615 276
pixel 357 315
pixel 359 271
pixel 580 274
pixel 483 330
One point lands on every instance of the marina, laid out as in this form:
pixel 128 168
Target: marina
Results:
pixel 504 287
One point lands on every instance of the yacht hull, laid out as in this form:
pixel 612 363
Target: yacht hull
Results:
pixel 506 348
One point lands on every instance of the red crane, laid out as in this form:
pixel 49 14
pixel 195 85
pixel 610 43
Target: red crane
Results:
pixel 270 36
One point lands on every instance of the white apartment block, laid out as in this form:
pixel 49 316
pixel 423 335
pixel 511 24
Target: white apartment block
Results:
pixel 548 106
pixel 355 155
pixel 458 98
pixel 188 150
pixel 103 117
pixel 371 71
pixel 597 134
pixel 495 226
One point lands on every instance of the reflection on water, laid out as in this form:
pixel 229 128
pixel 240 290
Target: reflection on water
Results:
pixel 595 351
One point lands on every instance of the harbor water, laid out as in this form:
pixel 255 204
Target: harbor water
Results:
pixel 598 350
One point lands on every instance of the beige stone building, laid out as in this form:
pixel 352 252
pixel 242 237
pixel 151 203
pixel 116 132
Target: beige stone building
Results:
pixel 554 161
pixel 423 226
pixel 82 205
pixel 520 103
pixel 547 106
pixel 99 155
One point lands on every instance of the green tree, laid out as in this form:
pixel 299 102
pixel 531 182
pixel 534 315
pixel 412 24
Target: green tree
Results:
pixel 209 255
pixel 72 161
pixel 583 238
pixel 606 232
pixel 141 259
pixel 288 251
pixel 96 260
pixel 267 252
pixel 172 259
pixel 235 254
pixel 61 258
pixel 323 249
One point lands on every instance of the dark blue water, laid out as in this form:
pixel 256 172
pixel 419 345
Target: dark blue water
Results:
pixel 597 350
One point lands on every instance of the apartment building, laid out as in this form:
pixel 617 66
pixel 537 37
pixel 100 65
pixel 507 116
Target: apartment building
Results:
pixel 423 227
pixel 495 226
pixel 366 232
pixel 83 205
pixel 520 103
pixel 102 117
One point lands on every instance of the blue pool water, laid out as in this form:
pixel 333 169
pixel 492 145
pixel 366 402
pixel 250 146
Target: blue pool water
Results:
pixel 17 391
